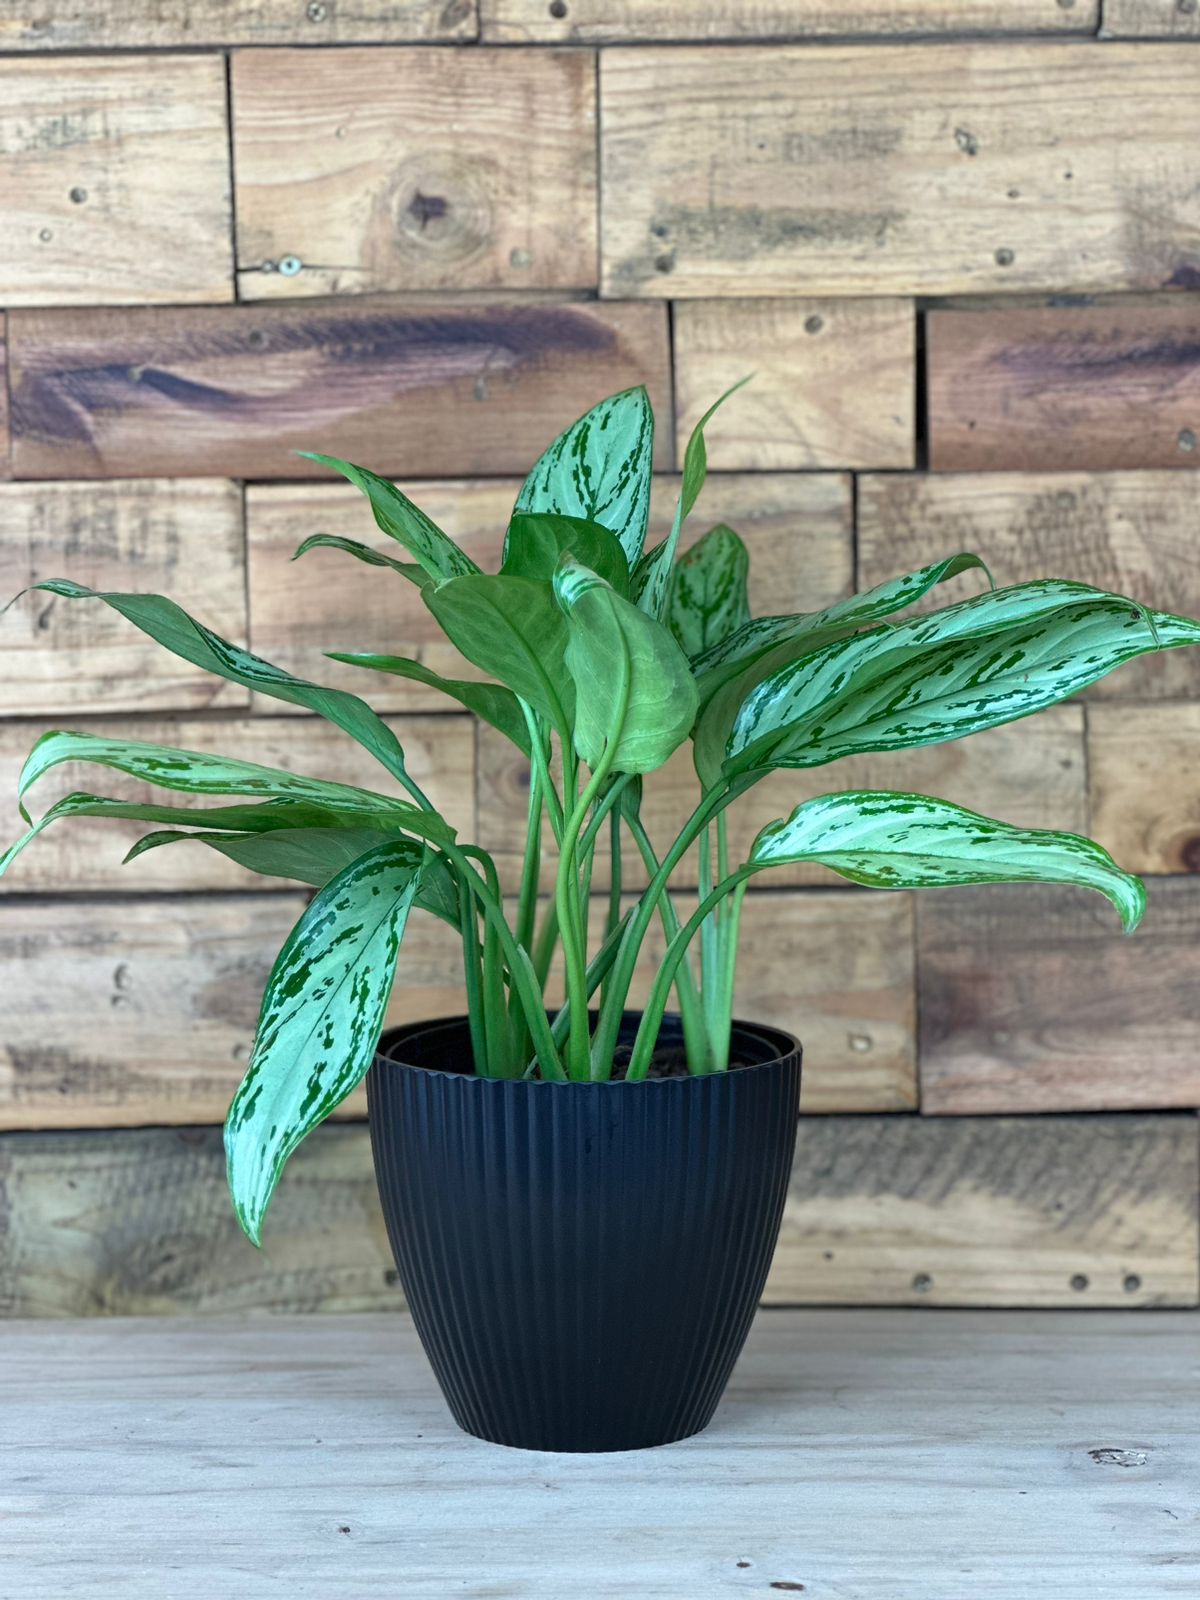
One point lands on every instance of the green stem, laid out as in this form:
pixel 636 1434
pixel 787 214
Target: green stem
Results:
pixel 472 972
pixel 691 1012
pixel 598 969
pixel 613 915
pixel 647 1035
pixel 501 1061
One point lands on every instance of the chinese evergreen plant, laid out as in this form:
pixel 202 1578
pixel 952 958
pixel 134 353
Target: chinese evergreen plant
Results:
pixel 600 658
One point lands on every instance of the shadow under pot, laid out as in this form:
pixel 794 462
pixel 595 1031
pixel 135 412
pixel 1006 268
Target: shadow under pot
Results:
pixel 582 1260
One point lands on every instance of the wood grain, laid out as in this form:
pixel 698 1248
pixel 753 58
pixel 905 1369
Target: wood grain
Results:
pixel 798 530
pixel 115 175
pixel 868 170
pixel 1151 19
pixel 159 24
pixel 351 175
pixel 84 854
pixel 137 1011
pixel 420 388
pixel 1131 532
pixel 5 434
pixel 182 538
pixel 1102 387
pixel 659 21
pixel 1144 785
pixel 834 382
pixel 881 1210
pixel 1031 774
pixel 1031 999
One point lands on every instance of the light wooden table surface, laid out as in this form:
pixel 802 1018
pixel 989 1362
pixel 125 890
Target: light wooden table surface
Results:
pixel 897 1455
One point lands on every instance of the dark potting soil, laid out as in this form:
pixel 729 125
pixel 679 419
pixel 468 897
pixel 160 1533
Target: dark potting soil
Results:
pixel 668 1061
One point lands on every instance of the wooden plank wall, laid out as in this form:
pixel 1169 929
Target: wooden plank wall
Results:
pixel 959 243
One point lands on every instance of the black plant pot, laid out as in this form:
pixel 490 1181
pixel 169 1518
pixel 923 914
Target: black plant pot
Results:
pixel 582 1260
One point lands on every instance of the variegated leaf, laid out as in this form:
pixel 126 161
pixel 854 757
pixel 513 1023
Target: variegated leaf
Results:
pixel 652 575
pixel 197 772
pixel 171 626
pixel 320 1021
pixel 912 841
pixel 936 677
pixel 400 519
pixel 708 599
pixel 491 701
pixel 600 469
pixel 634 692
pixel 361 552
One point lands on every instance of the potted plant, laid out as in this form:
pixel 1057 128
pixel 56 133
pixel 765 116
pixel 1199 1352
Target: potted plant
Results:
pixel 583 1199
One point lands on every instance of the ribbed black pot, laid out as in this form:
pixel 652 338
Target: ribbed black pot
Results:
pixel 582 1260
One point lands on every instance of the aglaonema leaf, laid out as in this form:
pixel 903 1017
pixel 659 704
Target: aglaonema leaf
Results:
pixel 912 841
pixel 708 597
pixel 634 691
pixel 536 542
pixel 491 701
pixel 600 469
pixel 936 677
pixel 306 855
pixel 170 626
pixel 197 772
pixel 321 1017
pixel 511 629
pixel 398 517
pixel 361 552
pixel 652 575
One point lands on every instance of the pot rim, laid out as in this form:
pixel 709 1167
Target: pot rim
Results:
pixel 785 1045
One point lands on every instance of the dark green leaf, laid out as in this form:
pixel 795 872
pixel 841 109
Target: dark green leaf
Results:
pixel 512 629
pixel 403 521
pixel 320 1021
pixel 708 600
pixel 536 542
pixel 361 552
pixel 491 701
pixel 911 841
pixel 308 855
pixel 600 469
pixel 634 688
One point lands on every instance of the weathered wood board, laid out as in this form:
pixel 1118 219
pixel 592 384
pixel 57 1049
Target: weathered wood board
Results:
pixel 5 435
pixel 1032 774
pixel 84 854
pixel 659 21
pixel 115 176
pixel 834 382
pixel 138 1011
pixel 1144 785
pixel 1103 387
pixel 1086 1211
pixel 1031 999
pixel 1130 532
pixel 944 169
pixel 424 388
pixel 191 24
pixel 412 169
pixel 798 530
pixel 1151 19
pixel 182 538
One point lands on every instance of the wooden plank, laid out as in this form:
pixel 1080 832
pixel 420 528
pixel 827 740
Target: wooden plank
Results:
pixel 352 175
pixel 834 382
pixel 84 854
pixel 1032 774
pixel 1144 785
pixel 166 24
pixel 870 170
pixel 428 388
pixel 135 1011
pixel 182 538
pixel 797 528
pixel 115 174
pixel 1150 19
pixel 661 21
pixel 275 1450
pixel 1132 532
pixel 1075 386
pixel 1031 999
pixel 881 1211
pixel 5 434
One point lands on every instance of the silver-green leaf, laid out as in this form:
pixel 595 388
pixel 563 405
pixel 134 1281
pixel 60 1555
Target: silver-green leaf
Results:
pixel 321 1017
pixel 912 841
pixel 708 597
